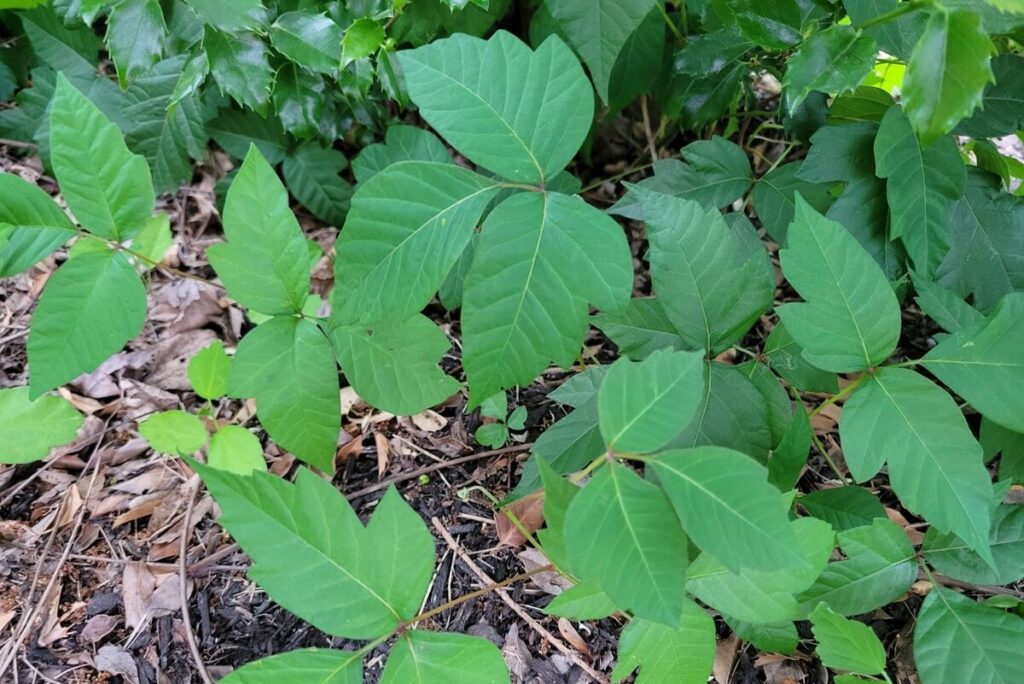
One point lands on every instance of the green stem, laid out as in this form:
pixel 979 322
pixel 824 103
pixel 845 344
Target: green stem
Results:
pixel 839 396
pixel 680 38
pixel 824 454
pixel 591 467
pixel 904 8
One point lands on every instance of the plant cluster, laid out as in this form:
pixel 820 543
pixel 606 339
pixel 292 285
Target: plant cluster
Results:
pixel 673 486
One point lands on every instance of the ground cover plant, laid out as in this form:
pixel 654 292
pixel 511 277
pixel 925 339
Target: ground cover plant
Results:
pixel 749 275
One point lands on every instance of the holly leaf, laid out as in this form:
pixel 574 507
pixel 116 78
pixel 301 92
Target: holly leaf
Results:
pixel 1002 102
pixel 135 33
pixel 308 38
pixel 831 61
pixel 240 64
pixel 31 428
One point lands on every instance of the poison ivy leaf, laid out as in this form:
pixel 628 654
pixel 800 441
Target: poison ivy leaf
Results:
pixel 407 227
pixel 236 450
pixel 581 602
pixel 39 226
pixel 845 644
pixel 31 428
pixel 935 464
pixel 233 15
pixel 758 596
pixel 986 641
pixel 522 309
pixel 108 188
pixel 728 508
pixel 774 198
pixel 240 64
pixel 953 558
pixel 786 358
pixel 401 143
pixel 640 329
pixel 844 508
pixel 986 256
pixel 483 97
pixel 1009 445
pixel 638 68
pixel 208 371
pixel 71 52
pixel 643 405
pixel 715 173
pixel 236 130
pixel 618 509
pixel 713 280
pixel 193 75
pixel 170 138
pixel 420 657
pixel 850 320
pixel 921 185
pixel 313 175
pixel 308 38
pixel 774 26
pixel 789 457
pixel 174 432
pixel 983 364
pixel 946 73
pixel 732 414
pixel 776 398
pixel 840 153
pixel 878 568
pixel 89 309
pixel 264 263
pixel 135 32
pixel 320 665
pixel 773 637
pixel 286 364
pixel 312 555
pixel 831 61
pixel 394 365
pixel 572 441
pixel 599 31
pixel 361 39
pixel 682 654
pixel 945 308
pixel 1002 102
pixel 558 495
pixel 300 100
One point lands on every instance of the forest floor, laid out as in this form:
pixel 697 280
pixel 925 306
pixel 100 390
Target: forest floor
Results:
pixel 103 545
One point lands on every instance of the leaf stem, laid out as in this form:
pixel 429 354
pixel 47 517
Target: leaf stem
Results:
pixel 680 38
pixel 591 467
pixel 824 454
pixel 838 396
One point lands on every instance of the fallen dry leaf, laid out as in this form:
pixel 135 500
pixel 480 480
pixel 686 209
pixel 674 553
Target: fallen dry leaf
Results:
pixel 383 453
pixel 529 511
pixel 429 421
pixel 725 657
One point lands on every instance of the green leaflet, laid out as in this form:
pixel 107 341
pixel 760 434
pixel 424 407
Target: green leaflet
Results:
pixel 710 52
pixel 406 229
pixel 774 198
pixel 307 38
pixel 775 25
pixel 236 130
pixel 312 555
pixel 31 428
pixel 713 280
pixel 236 15
pixel 235 450
pixel 313 175
pixel 40 227
pixel 878 568
pixel 715 173
pixel 640 329
pixel 984 363
pixel 401 143
pixel 208 371
pixel 598 31
pixel 895 37
pixel 310 665
pixel 618 509
pixel 844 508
pixel 946 73
pixel 421 657
pixel 643 405
pixel 921 184
pixel 953 558
pixel 361 39
pixel 786 358
pixel 89 309
pixel 758 596
pixel 851 319
pixel 394 365
pixel 522 308
pixel 832 61
pixel 952 313
pixel 863 104
pixel 301 102
pixel 581 602
pixel 108 188
pixel 558 495
pixel 986 640
pixel 845 644
pixel 986 256
pixel 1009 445
pixel 935 465
pixel 174 432
pixel 264 263
pixel 489 99
pixel 727 507
pixel 135 31
pixel 1002 102
pixel 286 364
pixel 240 64
pixel 774 637
pixel 682 654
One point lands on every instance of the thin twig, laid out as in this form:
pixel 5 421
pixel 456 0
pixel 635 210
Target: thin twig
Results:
pixel 651 146
pixel 186 619
pixel 384 484
pixel 519 610
pixel 980 588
